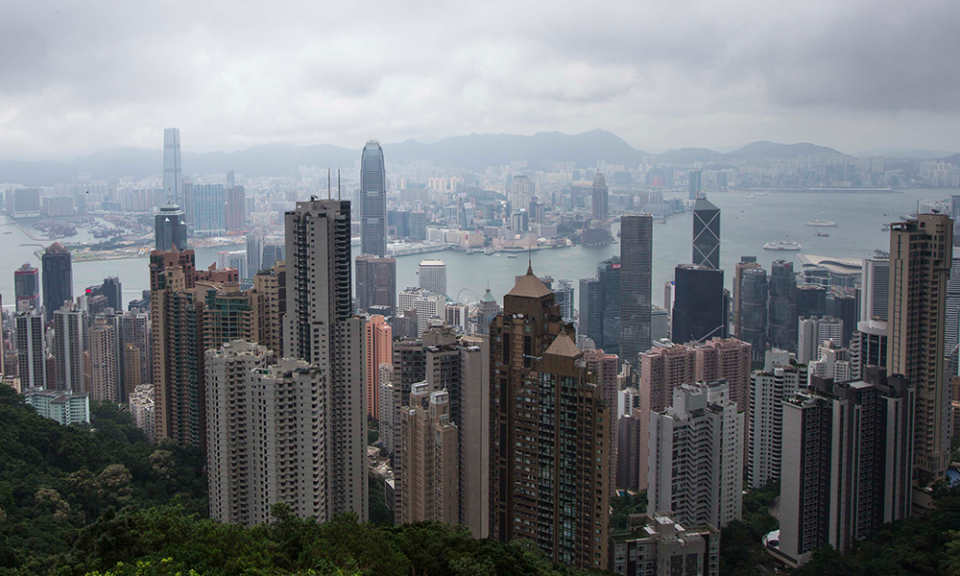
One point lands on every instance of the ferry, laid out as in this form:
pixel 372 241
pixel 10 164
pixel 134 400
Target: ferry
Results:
pixel 782 245
pixel 822 234
pixel 822 223
pixel 510 256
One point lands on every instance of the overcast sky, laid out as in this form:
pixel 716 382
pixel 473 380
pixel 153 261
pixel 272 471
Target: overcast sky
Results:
pixel 76 77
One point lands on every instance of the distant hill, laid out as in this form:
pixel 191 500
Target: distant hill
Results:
pixel 767 149
pixel 473 152
pixel 898 152
pixel 955 159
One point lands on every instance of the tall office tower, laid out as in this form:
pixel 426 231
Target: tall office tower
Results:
pixel 189 205
pixel 104 363
pixel 636 284
pixel 379 338
pixel 811 301
pixel 846 462
pixel 274 250
pixel 782 306
pixel 608 274
pixel 591 310
pixel 31 350
pixel 113 290
pixel 875 289
pixel 235 208
pixel 57 278
pixel 488 310
pixel 26 282
pixel 706 234
pixel 252 396
pixel 176 337
pixel 209 216
pixel 474 428
pixel 921 253
pixel 842 304
pixel 833 361
pixel 433 276
pixel 254 252
pixel 601 197
pixel 429 306
pixel 728 359
pixel 373 201
pixel 69 343
pixel 952 331
pixel 812 332
pixel 170 228
pixel 172 169
pixel 521 190
pixel 564 295
pixel 768 389
pixel 376 283
pixel 754 290
pixel 658 544
pixel 540 397
pixel 695 184
pixel 662 370
pixel 320 328
pixel 868 347
pixel 605 369
pixel 696 456
pixel 429 488
pixel 699 311
pixel 745 263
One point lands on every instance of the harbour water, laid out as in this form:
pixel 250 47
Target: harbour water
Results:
pixel 746 225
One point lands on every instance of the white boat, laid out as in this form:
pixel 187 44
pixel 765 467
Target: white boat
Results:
pixel 782 245
pixel 822 223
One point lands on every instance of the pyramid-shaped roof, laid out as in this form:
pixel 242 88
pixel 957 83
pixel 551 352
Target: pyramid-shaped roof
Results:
pixel 529 286
pixel 488 297
pixel 563 345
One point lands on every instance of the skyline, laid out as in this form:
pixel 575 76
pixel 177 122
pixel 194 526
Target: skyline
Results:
pixel 854 77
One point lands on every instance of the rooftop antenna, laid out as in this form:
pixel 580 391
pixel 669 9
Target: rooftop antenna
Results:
pixel 529 259
pixel 338 183
pixel 328 183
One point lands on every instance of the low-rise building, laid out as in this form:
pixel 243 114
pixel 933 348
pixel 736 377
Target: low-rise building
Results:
pixel 658 545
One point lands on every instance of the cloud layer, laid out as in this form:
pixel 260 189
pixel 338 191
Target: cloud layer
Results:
pixel 77 77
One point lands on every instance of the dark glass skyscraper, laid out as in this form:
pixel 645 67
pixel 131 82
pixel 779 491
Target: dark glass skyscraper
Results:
pixel 591 310
pixel 376 283
pixel 782 306
pixel 636 277
pixel 57 279
pixel 699 307
pixel 373 201
pixel 753 310
pixel 608 273
pixel 170 228
pixel 706 234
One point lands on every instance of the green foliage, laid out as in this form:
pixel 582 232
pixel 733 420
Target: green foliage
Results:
pixel 918 545
pixel 54 480
pixel 741 548
pixel 624 506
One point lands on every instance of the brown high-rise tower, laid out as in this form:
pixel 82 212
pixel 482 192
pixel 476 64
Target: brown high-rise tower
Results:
pixel 548 425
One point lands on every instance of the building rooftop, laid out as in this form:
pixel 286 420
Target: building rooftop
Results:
pixel 832 263
pixel 529 286
pixel 563 346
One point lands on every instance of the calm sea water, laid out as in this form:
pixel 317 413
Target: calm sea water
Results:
pixel 746 225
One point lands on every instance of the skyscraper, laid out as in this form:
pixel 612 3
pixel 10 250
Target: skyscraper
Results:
pixel 636 280
pixel 172 169
pixel 373 201
pixel 745 263
pixel 548 459
pixel 601 197
pixel 769 387
pixel 753 295
pixel 811 333
pixel 170 228
pixel 846 462
pixel 376 283
pixel 521 190
pixel 105 374
pixel 696 456
pixel 379 338
pixel 608 273
pixel 782 306
pixel 488 310
pixel 695 184
pixel 433 276
pixel 254 252
pixel 26 281
pixel 209 216
pixel 235 218
pixel 31 350
pixel 270 287
pixel 320 328
pixel 57 278
pixel 69 344
pixel 706 234
pixel 113 290
pixel 699 308
pixel 921 254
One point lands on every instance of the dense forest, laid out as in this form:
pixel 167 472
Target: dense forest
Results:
pixel 99 499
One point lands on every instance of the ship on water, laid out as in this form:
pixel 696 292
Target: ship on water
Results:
pixel 782 245
pixel 822 223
